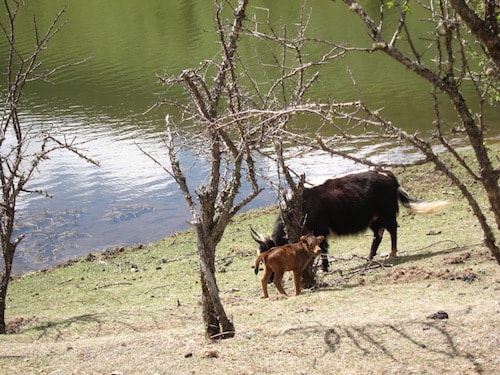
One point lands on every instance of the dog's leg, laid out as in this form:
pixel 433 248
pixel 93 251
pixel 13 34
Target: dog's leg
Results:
pixel 296 279
pixel 265 281
pixel 278 278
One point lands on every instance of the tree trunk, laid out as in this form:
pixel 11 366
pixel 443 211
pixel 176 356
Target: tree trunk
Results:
pixel 8 255
pixel 488 174
pixel 293 218
pixel 217 324
pixel 489 237
pixel 3 304
pixel 485 29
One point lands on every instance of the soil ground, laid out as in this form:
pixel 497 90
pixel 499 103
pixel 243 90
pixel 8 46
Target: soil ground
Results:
pixel 137 310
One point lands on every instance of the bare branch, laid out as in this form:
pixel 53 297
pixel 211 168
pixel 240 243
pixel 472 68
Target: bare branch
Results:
pixel 17 165
pixel 444 78
pixel 485 29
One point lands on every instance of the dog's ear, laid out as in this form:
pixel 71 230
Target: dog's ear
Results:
pixel 309 241
pixel 320 239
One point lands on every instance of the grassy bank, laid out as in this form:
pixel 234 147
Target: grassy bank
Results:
pixel 137 310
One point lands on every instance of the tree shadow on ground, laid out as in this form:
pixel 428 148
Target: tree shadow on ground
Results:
pixel 56 329
pixel 421 254
pixel 425 342
pixel 393 341
pixel 97 324
pixel 348 269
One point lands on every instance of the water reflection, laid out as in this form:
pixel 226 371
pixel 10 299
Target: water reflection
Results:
pixel 122 202
pixel 129 199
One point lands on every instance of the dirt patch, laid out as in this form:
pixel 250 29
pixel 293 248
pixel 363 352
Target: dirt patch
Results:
pixel 15 325
pixel 459 259
pixel 478 256
pixel 416 274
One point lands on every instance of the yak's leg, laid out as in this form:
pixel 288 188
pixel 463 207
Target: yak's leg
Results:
pixel 378 232
pixel 393 231
pixel 297 280
pixel 324 257
pixel 278 277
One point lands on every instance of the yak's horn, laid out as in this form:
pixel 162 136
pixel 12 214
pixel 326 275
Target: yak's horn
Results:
pixel 257 236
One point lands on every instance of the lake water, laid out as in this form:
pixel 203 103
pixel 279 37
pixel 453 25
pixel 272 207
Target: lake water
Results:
pixel 128 199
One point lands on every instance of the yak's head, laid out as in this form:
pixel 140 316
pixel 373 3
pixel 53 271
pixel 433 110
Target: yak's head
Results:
pixel 265 243
pixel 277 238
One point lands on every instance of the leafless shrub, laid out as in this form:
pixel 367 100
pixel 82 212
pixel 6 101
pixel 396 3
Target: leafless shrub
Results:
pixel 23 147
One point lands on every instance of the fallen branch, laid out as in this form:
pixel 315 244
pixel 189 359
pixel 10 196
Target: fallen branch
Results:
pixel 109 285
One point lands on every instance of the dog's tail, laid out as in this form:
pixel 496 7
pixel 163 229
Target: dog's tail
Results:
pixel 260 258
pixel 419 207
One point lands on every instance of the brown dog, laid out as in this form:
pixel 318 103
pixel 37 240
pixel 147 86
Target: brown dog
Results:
pixel 292 257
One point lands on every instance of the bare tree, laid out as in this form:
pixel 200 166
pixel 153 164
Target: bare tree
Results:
pixel 22 146
pixel 287 95
pixel 227 153
pixel 453 66
pixel 485 27
pixel 231 117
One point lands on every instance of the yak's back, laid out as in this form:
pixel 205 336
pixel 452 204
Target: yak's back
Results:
pixel 348 204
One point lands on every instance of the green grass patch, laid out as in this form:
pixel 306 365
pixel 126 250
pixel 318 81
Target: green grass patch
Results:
pixel 137 310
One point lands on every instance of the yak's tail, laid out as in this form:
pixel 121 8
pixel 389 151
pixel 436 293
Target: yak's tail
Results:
pixel 419 207
pixel 259 259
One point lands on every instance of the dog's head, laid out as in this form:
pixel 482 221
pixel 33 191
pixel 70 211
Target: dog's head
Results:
pixel 312 243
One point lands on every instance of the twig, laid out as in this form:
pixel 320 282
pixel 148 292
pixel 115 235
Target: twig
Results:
pixel 112 284
pixel 457 246
pixel 158 287
pixel 223 335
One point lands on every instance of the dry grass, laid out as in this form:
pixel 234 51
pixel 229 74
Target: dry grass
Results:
pixel 137 311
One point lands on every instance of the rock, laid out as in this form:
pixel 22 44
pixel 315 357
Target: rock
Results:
pixel 439 315
pixel 211 354
pixel 470 277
